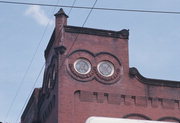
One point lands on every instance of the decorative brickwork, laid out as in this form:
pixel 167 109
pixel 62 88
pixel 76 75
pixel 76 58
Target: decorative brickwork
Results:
pixel 117 99
pixel 94 59
pixel 87 74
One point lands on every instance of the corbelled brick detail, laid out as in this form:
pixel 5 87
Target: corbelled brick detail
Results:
pixel 141 101
pixel 168 103
pixel 154 102
pixel 117 99
pixel 114 99
pixel 86 96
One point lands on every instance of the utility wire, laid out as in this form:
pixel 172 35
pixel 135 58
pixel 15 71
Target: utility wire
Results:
pixel 27 70
pixel 82 26
pixel 30 66
pixel 38 74
pixel 79 7
pixel 95 8
pixel 74 41
pixel 36 80
pixel 72 7
pixel 24 76
pixel 40 70
pixel 68 15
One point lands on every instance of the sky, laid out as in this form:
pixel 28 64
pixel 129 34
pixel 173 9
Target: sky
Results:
pixel 154 42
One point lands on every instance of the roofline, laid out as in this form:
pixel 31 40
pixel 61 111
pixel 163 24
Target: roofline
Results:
pixel 123 34
pixel 32 98
pixel 154 82
pixel 50 44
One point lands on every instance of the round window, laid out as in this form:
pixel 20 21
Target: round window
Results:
pixel 82 66
pixel 105 68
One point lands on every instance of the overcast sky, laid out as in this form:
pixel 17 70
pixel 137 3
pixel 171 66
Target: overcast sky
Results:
pixel 153 44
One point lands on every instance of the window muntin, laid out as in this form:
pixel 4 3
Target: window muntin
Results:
pixel 82 66
pixel 105 68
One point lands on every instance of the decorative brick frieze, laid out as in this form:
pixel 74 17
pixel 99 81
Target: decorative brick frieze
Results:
pixel 141 101
pixel 86 96
pixel 128 100
pixel 169 104
pixel 114 99
pixel 178 103
pixel 154 102
pixel 101 97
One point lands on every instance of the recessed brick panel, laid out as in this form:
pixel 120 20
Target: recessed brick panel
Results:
pixel 154 102
pixel 114 98
pixel 128 100
pixel 167 103
pixel 141 101
pixel 101 97
pixel 86 96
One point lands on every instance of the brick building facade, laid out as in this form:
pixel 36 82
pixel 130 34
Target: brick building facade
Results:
pixel 87 74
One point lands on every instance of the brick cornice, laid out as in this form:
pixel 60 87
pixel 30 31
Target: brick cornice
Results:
pixel 123 34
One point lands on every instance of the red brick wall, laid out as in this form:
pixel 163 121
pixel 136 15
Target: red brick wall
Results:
pixel 126 97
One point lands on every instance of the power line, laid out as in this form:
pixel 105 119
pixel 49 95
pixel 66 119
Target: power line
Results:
pixel 95 8
pixel 74 41
pixel 30 65
pixel 72 7
pixel 83 25
pixel 41 67
pixel 24 76
pixel 68 15
pixel 89 13
pixel 27 70
pixel 30 92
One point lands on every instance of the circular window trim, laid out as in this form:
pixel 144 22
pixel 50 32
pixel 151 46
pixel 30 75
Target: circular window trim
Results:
pixel 111 65
pixel 88 63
